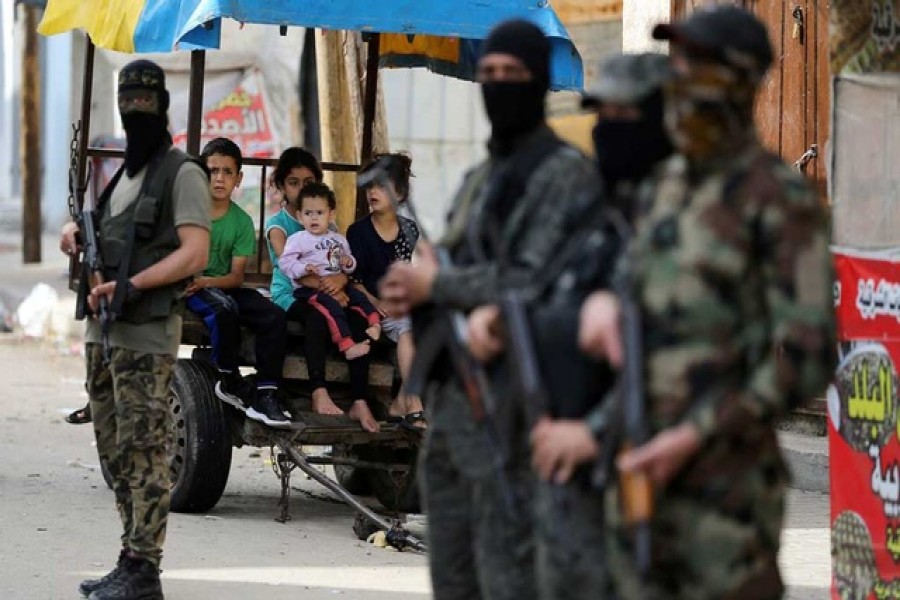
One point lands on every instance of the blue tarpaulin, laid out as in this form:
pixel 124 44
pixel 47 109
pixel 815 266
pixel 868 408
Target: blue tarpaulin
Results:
pixel 443 35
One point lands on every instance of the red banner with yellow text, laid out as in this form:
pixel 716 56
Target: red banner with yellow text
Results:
pixel 864 430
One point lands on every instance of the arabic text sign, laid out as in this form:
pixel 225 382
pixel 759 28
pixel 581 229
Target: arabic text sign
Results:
pixel 868 297
pixel 864 429
pixel 242 116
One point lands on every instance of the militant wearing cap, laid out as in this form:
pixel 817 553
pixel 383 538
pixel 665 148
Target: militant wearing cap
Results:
pixel 525 41
pixel 726 34
pixel 144 76
pixel 628 79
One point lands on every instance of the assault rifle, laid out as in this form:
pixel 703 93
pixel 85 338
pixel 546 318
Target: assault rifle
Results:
pixel 449 332
pixel 91 261
pixel 636 490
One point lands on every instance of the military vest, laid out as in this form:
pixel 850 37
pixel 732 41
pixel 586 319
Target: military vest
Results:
pixel 142 235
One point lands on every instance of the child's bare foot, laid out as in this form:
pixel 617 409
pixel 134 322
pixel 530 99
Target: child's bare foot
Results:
pixel 360 412
pixel 357 350
pixel 322 403
pixel 374 332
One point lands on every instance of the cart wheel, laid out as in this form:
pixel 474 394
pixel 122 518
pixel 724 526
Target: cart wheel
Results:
pixel 200 442
pixel 352 479
pixel 396 491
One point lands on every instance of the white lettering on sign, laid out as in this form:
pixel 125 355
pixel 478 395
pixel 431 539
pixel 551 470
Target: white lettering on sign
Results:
pixel 881 299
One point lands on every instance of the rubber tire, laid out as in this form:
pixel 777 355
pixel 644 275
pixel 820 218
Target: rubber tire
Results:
pixel 200 446
pixel 353 479
pixel 398 492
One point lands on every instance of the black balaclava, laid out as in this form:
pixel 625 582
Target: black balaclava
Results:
pixel 145 122
pixel 628 150
pixel 515 108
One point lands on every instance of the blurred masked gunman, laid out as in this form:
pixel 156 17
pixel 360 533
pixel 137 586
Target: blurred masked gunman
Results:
pixel 733 283
pixel 510 218
pixel 630 141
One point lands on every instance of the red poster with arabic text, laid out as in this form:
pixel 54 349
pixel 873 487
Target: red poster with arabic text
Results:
pixel 863 428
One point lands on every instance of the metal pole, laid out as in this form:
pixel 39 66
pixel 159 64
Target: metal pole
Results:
pixel 261 245
pixel 370 104
pixel 195 101
pixel 301 461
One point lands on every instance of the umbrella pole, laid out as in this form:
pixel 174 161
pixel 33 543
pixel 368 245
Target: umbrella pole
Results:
pixel 195 102
pixel 370 103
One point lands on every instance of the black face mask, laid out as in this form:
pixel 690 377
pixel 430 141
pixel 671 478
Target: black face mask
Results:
pixel 513 108
pixel 145 134
pixel 628 150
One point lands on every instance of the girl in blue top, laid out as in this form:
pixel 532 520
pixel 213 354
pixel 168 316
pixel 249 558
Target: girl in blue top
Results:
pixel 296 168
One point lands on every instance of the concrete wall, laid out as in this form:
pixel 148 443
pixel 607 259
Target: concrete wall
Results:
pixel 638 19
pixel 56 129
pixel 8 148
pixel 440 121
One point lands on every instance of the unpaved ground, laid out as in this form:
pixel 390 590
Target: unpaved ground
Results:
pixel 58 523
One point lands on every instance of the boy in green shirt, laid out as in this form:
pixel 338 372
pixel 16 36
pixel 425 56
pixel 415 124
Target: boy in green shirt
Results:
pixel 218 298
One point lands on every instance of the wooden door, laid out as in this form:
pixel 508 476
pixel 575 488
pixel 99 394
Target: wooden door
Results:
pixel 792 112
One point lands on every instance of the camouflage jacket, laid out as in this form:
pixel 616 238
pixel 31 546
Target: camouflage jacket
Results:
pixel 734 280
pixel 732 274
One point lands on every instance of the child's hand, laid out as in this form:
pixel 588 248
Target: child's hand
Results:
pixel 346 261
pixel 312 270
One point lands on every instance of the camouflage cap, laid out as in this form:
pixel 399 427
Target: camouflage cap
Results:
pixel 627 79
pixel 142 75
pixel 727 34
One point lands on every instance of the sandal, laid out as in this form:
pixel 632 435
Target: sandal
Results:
pixel 81 416
pixel 408 421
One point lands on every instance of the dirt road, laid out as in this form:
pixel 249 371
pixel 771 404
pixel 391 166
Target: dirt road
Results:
pixel 58 523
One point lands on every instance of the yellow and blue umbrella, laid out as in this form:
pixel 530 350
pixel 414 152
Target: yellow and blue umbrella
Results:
pixel 442 35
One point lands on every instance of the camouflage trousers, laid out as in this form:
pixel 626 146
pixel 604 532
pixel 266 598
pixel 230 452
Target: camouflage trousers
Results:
pixel 131 419
pixel 571 553
pixel 477 548
pixel 700 552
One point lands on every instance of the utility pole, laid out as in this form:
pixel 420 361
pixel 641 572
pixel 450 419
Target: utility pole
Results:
pixel 30 144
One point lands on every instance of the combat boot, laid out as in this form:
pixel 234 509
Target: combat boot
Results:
pixel 92 585
pixel 139 580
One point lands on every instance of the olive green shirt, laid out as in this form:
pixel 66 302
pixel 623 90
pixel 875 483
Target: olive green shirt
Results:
pixel 192 202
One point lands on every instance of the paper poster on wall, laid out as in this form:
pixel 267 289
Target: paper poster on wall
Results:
pixel 864 428
pixel 243 117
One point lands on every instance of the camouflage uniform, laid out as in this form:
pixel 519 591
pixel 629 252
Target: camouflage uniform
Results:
pixel 569 520
pixel 732 276
pixel 478 549
pixel 130 416
pixel 731 269
pixel 128 397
